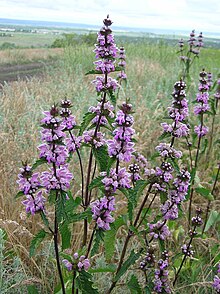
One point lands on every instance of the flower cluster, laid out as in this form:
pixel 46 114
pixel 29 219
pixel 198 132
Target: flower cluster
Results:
pixel 116 179
pixel 166 151
pixel 159 230
pixel 187 250
pixel 178 112
pixel 105 48
pixel 161 282
pixel 149 260
pixel 29 184
pixel 203 106
pixel 81 262
pixel 216 281
pixel 95 140
pixel 122 146
pixel 122 63
pixel 102 111
pixel 195 43
pixel 101 212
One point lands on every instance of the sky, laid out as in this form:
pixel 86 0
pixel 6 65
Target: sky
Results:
pixel 201 15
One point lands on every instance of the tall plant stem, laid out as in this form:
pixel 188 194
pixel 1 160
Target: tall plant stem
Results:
pixel 85 230
pixel 129 235
pixel 209 202
pixel 73 282
pixel 81 167
pixel 195 166
pixel 184 258
pixel 212 131
pixel 90 241
pixel 57 252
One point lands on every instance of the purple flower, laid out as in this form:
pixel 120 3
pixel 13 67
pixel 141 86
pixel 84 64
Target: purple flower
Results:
pixel 60 181
pixel 187 250
pixel 101 212
pixel 67 264
pixel 166 151
pixel 161 282
pixel 201 130
pixel 105 110
pixel 96 141
pixel 169 210
pixel 73 143
pixel 114 181
pixel 35 203
pixel 159 230
pixel 83 263
pixel 216 284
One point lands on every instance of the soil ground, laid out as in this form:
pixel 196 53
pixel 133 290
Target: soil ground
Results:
pixel 12 73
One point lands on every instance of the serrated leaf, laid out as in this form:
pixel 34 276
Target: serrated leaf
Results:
pixel 38 163
pixel 164 136
pixel 85 284
pixel 134 286
pixel 214 217
pixel 204 192
pixel 75 217
pixel 19 194
pixel 99 234
pixel 112 98
pixel 96 183
pixel 93 72
pixel 44 218
pixel 101 156
pixel 36 241
pixel 87 118
pixel 65 236
pixel 130 261
pixel 60 207
pixel 52 196
pixel 110 237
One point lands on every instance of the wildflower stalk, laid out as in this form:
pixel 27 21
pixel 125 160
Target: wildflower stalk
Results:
pixel 128 237
pixel 209 202
pixel 184 258
pixel 73 282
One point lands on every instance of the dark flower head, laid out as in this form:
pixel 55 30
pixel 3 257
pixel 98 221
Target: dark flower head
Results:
pixel 66 103
pixel 107 21
pixel 54 111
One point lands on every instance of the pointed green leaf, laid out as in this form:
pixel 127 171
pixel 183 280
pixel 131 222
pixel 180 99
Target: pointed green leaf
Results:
pixel 99 234
pixel 101 156
pixel 130 261
pixel 134 286
pixel 36 241
pixel 96 183
pixel 206 193
pixel 85 284
pixel 65 236
pixel 214 217
pixel 38 163
pixel 19 194
pixel 87 118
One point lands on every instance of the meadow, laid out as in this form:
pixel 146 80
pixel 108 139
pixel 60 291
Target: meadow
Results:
pixel 152 69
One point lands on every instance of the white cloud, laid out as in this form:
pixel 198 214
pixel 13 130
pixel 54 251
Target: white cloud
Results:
pixel 172 14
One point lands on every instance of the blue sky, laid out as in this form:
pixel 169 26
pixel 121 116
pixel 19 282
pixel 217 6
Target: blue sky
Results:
pixel 201 15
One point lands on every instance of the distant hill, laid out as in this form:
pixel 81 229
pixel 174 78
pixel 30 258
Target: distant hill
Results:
pixel 54 24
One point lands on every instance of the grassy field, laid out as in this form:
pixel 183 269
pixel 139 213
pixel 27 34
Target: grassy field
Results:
pixel 152 70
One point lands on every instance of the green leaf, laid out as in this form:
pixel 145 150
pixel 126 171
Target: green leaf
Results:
pixel 130 261
pixel 71 204
pixel 52 196
pixel 38 163
pixel 65 235
pixel 85 284
pixel 134 286
pixel 44 218
pixel 204 192
pixel 214 217
pixel 96 183
pixel 93 72
pixel 60 207
pixel 164 136
pixel 110 236
pixel 19 194
pixel 133 195
pixel 36 241
pixel 87 118
pixel 75 217
pixel 101 156
pixel 99 234
pixel 32 289
pixel 112 98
